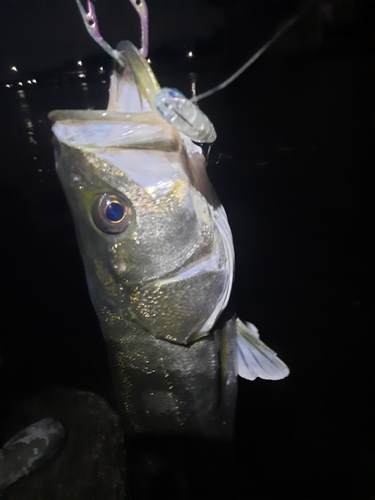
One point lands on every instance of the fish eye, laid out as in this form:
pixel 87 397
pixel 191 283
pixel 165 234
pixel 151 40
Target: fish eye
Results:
pixel 111 213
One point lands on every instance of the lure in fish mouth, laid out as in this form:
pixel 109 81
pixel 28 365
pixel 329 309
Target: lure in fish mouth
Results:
pixel 159 260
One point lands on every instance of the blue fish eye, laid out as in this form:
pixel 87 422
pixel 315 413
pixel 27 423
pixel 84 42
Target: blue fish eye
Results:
pixel 111 213
pixel 115 212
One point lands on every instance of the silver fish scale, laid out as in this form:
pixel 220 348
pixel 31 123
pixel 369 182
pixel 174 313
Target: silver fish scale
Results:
pixel 167 233
pixel 178 385
pixel 156 285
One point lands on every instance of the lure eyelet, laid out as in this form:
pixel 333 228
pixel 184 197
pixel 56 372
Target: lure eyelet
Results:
pixel 111 213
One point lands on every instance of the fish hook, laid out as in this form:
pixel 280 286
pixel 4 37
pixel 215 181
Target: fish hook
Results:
pixel 141 8
pixel 92 26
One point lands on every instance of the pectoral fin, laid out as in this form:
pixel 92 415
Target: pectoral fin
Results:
pixel 254 358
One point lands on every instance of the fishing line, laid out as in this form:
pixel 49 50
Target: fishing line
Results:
pixel 248 63
pixel 175 108
pixel 185 115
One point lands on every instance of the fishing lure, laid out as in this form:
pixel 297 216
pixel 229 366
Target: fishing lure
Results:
pixel 171 104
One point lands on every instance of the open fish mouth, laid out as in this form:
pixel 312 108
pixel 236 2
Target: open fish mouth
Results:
pixel 131 119
pixel 102 129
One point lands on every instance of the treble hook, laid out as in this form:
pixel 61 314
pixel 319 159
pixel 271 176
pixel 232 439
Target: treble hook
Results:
pixel 91 23
pixel 141 8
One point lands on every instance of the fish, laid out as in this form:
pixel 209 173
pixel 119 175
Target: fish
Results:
pixel 159 261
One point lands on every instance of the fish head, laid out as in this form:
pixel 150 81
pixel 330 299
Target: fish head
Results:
pixel 148 223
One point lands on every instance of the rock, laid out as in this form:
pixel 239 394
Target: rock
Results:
pixel 33 447
pixel 91 464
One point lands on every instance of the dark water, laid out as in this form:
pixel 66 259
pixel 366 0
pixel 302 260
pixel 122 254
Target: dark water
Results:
pixel 293 166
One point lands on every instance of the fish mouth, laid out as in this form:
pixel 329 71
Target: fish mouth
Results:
pixel 90 130
pixel 131 119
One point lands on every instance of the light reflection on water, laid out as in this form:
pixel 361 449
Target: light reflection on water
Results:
pixel 26 129
pixel 26 117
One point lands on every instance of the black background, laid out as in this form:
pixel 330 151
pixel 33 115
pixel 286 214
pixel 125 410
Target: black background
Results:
pixel 293 166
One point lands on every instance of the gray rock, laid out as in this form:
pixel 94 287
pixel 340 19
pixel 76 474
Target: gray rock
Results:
pixel 91 464
pixel 34 446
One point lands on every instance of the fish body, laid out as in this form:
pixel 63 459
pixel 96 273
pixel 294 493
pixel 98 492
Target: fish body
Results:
pixel 159 259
